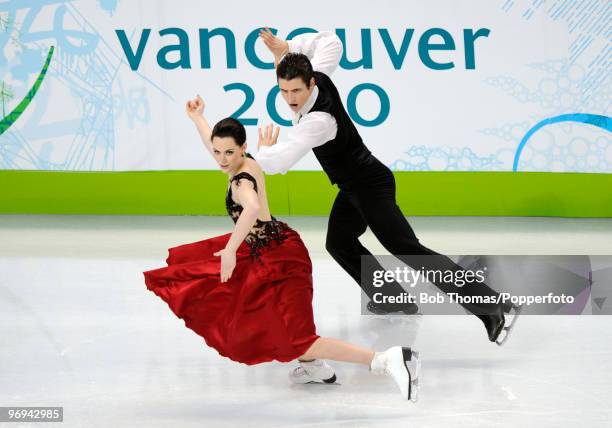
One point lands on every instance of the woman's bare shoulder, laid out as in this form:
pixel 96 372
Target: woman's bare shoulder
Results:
pixel 253 169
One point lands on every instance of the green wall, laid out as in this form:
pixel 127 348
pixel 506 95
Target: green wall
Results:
pixel 305 193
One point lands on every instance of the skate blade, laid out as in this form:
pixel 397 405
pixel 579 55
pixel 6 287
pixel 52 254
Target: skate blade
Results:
pixel 507 329
pixel 396 318
pixel 414 391
pixel 331 381
pixel 413 378
pixel 414 381
pixel 319 382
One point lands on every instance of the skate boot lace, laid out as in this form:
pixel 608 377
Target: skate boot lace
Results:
pixel 381 367
pixel 301 371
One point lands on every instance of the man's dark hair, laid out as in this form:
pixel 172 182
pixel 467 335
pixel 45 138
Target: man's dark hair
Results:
pixel 295 65
pixel 230 127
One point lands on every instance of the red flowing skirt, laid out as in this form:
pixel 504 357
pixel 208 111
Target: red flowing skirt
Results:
pixel 262 313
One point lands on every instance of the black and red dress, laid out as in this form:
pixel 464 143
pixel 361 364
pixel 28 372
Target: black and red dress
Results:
pixel 264 311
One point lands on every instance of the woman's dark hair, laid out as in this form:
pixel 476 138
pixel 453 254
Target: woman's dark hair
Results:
pixel 295 65
pixel 230 127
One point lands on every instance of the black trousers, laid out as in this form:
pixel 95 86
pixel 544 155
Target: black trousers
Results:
pixel 371 202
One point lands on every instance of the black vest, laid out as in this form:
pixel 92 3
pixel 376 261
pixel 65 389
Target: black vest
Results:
pixel 343 157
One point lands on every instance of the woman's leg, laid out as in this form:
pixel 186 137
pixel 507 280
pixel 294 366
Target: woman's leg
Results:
pixel 333 349
pixel 401 363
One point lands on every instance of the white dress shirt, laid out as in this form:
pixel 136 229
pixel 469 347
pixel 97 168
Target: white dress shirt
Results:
pixel 309 130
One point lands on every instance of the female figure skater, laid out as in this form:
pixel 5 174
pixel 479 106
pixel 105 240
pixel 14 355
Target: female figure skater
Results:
pixel 257 306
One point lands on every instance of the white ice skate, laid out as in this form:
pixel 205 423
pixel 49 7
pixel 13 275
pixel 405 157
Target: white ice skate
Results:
pixel 508 324
pixel 315 371
pixel 403 365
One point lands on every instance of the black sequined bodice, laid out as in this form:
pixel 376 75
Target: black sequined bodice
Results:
pixel 263 232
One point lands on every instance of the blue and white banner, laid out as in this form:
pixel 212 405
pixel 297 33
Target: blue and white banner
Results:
pixel 481 85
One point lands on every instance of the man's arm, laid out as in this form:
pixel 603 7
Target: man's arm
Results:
pixel 324 50
pixel 314 130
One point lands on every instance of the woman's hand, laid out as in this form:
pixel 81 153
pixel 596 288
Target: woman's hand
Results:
pixel 228 263
pixel 195 107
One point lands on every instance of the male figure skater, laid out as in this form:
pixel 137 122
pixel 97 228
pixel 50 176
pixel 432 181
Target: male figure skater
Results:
pixel 367 186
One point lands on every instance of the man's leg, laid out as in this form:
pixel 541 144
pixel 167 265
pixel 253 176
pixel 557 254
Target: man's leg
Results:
pixel 394 232
pixel 377 205
pixel 345 227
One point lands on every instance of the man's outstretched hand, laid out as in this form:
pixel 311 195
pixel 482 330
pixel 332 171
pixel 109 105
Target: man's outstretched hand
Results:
pixel 268 137
pixel 277 46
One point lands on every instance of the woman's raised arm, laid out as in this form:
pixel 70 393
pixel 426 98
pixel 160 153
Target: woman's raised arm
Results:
pixel 195 111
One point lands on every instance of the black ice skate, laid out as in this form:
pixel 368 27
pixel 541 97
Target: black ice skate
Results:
pixel 393 309
pixel 498 329
pixel 513 311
